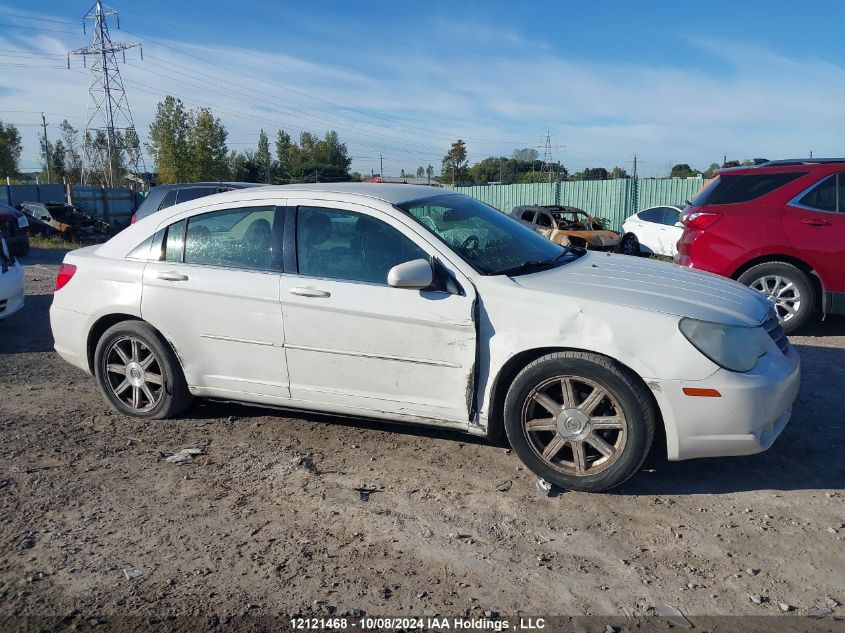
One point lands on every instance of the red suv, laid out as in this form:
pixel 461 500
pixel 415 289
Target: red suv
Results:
pixel 778 227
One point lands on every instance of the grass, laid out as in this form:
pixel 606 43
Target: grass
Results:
pixel 662 258
pixel 52 241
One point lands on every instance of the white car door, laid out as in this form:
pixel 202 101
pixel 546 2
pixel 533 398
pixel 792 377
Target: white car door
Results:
pixel 215 296
pixel 672 232
pixel 353 341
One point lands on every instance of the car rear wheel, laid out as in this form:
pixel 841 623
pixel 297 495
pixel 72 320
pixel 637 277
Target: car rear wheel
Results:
pixel 579 420
pixel 138 372
pixel 788 288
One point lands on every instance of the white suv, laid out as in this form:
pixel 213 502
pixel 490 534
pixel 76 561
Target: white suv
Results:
pixel 409 304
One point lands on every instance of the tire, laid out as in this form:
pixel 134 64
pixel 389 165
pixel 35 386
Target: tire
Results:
pixel 786 286
pixel 142 388
pixel 576 459
pixel 630 245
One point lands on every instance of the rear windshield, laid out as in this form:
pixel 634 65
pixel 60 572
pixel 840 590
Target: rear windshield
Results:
pixel 733 188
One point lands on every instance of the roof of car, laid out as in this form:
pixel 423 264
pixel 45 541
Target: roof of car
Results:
pixel 387 192
pixel 785 162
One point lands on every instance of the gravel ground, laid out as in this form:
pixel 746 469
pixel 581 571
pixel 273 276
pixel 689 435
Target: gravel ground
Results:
pixel 267 521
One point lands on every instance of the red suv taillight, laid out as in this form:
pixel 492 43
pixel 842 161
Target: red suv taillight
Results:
pixel 700 220
pixel 66 271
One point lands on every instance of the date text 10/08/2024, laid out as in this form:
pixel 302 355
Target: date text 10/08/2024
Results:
pixel 426 623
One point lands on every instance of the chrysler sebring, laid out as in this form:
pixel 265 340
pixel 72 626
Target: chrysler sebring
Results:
pixel 423 306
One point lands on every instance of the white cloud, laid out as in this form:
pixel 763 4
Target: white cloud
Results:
pixel 410 106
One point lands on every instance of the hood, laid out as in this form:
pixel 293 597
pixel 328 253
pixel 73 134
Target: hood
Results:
pixel 652 285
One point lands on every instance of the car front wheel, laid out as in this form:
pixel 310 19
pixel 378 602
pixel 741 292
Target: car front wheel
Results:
pixel 579 420
pixel 629 245
pixel 138 372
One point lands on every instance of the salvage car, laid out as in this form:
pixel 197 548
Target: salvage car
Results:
pixel 778 227
pixel 568 226
pixel 15 228
pixel 69 222
pixel 656 230
pixel 11 282
pixel 165 196
pixel 395 302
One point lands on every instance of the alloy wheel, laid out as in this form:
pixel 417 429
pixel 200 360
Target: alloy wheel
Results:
pixel 782 293
pixel 133 373
pixel 574 425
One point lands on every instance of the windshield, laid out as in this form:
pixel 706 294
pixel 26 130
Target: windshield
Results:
pixel 68 214
pixel 485 238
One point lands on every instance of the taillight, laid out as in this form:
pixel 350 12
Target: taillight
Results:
pixel 700 220
pixel 133 220
pixel 66 271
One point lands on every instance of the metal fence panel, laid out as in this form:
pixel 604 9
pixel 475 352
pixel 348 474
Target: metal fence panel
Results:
pixel 16 194
pixel 506 197
pixel 653 192
pixel 115 206
pixel 609 199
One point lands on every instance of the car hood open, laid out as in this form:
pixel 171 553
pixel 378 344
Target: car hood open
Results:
pixel 652 285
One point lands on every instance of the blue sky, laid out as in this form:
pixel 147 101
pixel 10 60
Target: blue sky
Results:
pixel 672 82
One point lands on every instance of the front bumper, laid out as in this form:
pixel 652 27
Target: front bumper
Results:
pixel 11 291
pixel 752 411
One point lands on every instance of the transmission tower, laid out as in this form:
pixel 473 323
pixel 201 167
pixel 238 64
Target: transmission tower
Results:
pixel 548 157
pixel 109 120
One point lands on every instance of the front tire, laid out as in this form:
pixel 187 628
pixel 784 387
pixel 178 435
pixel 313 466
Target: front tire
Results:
pixel 579 420
pixel 788 288
pixel 138 373
pixel 630 245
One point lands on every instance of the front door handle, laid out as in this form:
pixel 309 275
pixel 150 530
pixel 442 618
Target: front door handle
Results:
pixel 168 275
pixel 816 222
pixel 310 292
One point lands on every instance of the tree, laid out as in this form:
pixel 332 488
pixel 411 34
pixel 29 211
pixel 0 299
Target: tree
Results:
pixel 525 154
pixel 287 155
pixel 168 144
pixel 132 146
pixel 207 147
pixel 429 172
pixel 710 171
pixel 682 170
pixel 420 172
pixel 619 172
pixel 10 150
pixel 263 159
pixel 591 173
pixel 455 163
pixel 73 157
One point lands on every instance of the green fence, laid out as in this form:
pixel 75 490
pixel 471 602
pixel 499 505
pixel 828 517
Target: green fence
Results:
pixel 611 199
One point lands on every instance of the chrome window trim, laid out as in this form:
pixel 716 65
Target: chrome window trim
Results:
pixel 794 202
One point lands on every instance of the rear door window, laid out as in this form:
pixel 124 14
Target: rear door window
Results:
pixel 670 216
pixel 247 237
pixel 544 220
pixel 192 193
pixel 822 196
pixel 735 188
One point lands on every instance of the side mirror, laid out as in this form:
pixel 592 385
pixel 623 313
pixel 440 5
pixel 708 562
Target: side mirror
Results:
pixel 415 274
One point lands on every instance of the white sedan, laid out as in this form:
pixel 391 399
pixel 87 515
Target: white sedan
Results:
pixel 410 304
pixel 11 282
pixel 658 229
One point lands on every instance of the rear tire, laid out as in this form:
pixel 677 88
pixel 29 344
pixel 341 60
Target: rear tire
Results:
pixel 788 288
pixel 138 373
pixel 579 420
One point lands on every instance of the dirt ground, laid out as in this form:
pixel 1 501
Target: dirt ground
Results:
pixel 96 525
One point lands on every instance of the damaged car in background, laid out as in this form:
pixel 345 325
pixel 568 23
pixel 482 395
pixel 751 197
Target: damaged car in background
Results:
pixel 70 223
pixel 393 302
pixel 11 282
pixel 570 226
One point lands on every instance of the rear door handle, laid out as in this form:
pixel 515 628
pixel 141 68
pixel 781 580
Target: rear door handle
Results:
pixel 816 222
pixel 310 292
pixel 168 275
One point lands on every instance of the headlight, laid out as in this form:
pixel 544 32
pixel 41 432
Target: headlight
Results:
pixel 733 347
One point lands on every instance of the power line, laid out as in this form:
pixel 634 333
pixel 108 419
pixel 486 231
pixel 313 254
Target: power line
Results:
pixel 108 107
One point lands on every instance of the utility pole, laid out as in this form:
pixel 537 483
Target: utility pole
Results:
pixel 811 153
pixel 634 184
pixel 381 165
pixel 109 117
pixel 46 146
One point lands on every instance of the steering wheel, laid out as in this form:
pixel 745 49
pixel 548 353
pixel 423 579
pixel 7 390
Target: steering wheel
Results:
pixel 471 246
